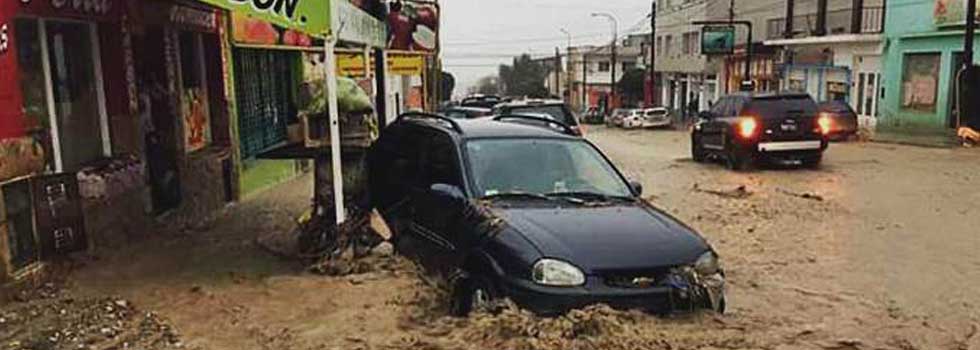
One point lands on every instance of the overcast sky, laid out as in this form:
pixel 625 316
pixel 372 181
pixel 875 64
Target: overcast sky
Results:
pixel 478 35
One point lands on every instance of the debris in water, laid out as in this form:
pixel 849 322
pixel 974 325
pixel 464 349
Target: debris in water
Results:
pixel 804 195
pixel 740 192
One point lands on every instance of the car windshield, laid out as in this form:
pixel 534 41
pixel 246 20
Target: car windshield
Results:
pixel 541 166
pixel 557 112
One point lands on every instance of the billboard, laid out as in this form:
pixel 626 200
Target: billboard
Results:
pixel 307 16
pixel 413 26
pixel 718 40
pixel 950 12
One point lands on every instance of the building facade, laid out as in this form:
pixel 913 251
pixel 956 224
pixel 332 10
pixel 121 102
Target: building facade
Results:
pixel 921 64
pixel 840 61
pixel 589 71
pixel 686 80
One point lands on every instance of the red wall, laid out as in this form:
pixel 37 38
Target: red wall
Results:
pixel 11 119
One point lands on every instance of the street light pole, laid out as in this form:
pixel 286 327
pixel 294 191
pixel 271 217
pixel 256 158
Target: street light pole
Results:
pixel 612 82
pixel 653 56
pixel 568 65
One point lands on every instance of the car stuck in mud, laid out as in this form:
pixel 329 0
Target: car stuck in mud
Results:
pixel 498 209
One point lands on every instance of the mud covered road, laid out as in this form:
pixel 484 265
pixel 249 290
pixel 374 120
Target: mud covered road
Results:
pixel 877 250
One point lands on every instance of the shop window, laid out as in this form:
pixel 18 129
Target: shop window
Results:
pixel 264 89
pixel 920 74
pixel 60 78
pixel 195 103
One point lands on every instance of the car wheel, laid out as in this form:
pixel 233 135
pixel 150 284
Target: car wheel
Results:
pixel 813 162
pixel 697 150
pixel 738 162
pixel 473 294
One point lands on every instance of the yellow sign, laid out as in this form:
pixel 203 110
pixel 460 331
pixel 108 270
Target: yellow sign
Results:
pixel 351 65
pixel 402 64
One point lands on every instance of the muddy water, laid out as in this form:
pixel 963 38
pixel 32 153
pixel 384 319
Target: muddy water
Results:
pixel 877 250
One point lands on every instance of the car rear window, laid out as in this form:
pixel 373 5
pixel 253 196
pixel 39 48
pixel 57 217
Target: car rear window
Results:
pixel 558 112
pixel 779 106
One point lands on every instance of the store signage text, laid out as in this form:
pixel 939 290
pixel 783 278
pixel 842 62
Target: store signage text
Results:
pixel 308 16
pixel 282 8
pixel 4 39
pixel 94 7
pixel 193 17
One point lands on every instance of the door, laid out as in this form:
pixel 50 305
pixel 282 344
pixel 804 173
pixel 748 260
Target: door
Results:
pixel 157 117
pixel 436 218
pixel 866 103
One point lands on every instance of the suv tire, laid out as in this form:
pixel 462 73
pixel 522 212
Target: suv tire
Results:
pixel 813 162
pixel 738 162
pixel 697 150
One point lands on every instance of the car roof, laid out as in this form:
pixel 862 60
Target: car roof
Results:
pixel 767 95
pixel 489 128
pixel 531 102
pixel 468 108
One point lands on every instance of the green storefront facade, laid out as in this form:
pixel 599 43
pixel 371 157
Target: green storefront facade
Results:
pixel 923 57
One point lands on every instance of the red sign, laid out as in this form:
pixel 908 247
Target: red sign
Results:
pixel 83 9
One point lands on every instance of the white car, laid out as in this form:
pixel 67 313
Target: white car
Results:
pixel 634 118
pixel 658 117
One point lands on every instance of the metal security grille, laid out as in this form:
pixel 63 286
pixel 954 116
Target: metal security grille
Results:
pixel 264 93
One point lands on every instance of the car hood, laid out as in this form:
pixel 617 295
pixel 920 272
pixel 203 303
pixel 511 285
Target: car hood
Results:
pixel 629 236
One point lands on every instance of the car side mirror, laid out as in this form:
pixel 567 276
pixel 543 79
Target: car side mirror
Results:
pixel 706 115
pixel 637 187
pixel 448 195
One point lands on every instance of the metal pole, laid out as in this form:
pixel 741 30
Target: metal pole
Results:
pixel 749 83
pixel 557 71
pixel 585 80
pixel 967 110
pixel 381 88
pixel 653 57
pixel 330 60
pixel 612 78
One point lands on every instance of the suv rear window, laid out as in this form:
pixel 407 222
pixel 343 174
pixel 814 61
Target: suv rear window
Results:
pixel 779 106
pixel 558 112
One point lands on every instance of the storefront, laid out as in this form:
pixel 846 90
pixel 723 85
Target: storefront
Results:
pixel 68 155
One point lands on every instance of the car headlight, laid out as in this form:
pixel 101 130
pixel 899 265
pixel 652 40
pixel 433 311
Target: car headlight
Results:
pixel 707 264
pixel 557 273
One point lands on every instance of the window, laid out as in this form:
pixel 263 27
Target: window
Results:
pixel 667 44
pixel 604 66
pixel 691 43
pixel 441 165
pixel 686 44
pixel 920 74
pixel 60 76
pixel 195 108
pixel 660 45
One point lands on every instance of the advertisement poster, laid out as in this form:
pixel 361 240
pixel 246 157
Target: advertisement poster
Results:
pixel 950 12
pixel 919 82
pixel 250 30
pixel 357 26
pixel 413 27
pixel 718 40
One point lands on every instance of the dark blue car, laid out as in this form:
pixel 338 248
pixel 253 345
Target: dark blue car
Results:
pixel 501 209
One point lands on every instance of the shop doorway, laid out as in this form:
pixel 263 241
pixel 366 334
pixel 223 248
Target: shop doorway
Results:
pixel 866 104
pixel 158 117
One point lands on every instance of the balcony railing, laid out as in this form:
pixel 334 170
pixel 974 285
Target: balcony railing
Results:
pixel 838 22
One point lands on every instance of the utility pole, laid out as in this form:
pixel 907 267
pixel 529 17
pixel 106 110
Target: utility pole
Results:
pixel 653 56
pixel 585 80
pixel 557 72
pixel 612 82
pixel 967 109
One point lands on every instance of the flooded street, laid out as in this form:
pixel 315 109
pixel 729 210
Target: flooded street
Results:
pixel 873 251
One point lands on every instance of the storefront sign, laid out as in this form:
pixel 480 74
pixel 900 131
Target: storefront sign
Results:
pixel 413 27
pixel 402 64
pixel 308 16
pixel 950 12
pixel 351 65
pixel 355 25
pixel 97 9
pixel 718 40
pixel 192 17
pixel 250 30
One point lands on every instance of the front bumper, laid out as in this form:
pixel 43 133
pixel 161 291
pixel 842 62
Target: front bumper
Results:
pixel 660 299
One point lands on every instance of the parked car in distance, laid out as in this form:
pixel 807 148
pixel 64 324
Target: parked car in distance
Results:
pixel 844 120
pixel 747 127
pixel 481 101
pixel 617 116
pixel 497 210
pixel 658 117
pixel 467 112
pixel 634 118
pixel 557 109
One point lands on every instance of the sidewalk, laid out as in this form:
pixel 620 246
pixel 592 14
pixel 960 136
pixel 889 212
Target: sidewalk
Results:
pixel 946 139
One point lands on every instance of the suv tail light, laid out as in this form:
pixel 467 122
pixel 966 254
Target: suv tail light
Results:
pixel 825 123
pixel 747 127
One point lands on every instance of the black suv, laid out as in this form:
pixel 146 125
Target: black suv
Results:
pixel 495 209
pixel 747 127
pixel 555 109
